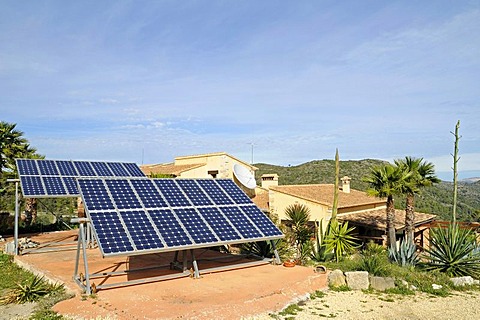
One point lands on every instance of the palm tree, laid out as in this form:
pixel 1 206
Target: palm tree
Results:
pixel 14 145
pixel 422 174
pixel 385 182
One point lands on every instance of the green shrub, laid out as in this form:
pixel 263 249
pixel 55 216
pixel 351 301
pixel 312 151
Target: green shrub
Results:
pixel 31 291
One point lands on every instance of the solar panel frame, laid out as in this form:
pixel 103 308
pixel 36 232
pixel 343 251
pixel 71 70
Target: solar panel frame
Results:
pixel 178 225
pixel 67 170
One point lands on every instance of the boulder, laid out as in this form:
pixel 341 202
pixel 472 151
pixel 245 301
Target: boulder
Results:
pixel 436 286
pixel 462 281
pixel 357 280
pixel 336 278
pixel 381 283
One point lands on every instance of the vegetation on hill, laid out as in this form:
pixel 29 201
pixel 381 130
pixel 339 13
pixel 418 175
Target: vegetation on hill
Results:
pixel 436 199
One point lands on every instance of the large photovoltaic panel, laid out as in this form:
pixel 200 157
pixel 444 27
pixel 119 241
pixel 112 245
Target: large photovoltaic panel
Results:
pixel 56 178
pixel 156 215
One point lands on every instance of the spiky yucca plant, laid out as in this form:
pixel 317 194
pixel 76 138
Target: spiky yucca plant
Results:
pixel 340 239
pixel 453 251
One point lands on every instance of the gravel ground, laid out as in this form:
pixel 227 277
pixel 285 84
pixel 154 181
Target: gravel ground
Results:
pixel 359 305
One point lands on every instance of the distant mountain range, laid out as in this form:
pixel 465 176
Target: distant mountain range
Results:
pixel 437 199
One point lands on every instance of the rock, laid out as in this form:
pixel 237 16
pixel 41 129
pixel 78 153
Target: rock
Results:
pixel 404 283
pixel 412 287
pixel 476 282
pixel 436 286
pixel 381 283
pixel 462 281
pixel 357 280
pixel 336 278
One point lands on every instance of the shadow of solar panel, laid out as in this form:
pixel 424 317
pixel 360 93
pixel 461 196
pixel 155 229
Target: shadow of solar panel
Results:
pixel 102 169
pixel 118 169
pixel 66 168
pixel 48 168
pixel 95 195
pixel 112 236
pixel 195 226
pixel 133 170
pixel 172 193
pixel 172 232
pixel 222 228
pixel 84 169
pixel 148 194
pixel 234 191
pixel 141 230
pixel 123 194
pixel 71 185
pixel 194 192
pixel 27 167
pixel 266 226
pixel 32 186
pixel 214 192
pixel 54 185
pixel 241 223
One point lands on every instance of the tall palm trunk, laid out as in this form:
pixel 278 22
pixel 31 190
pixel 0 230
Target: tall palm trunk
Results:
pixel 391 238
pixel 410 217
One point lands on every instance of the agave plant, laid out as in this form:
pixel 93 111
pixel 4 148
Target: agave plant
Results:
pixel 453 251
pixel 340 239
pixel 319 249
pixel 31 291
pixel 405 255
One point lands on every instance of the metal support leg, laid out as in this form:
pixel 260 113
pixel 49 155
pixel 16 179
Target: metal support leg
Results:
pixel 196 273
pixel 83 243
pixel 275 252
pixel 17 209
pixel 184 260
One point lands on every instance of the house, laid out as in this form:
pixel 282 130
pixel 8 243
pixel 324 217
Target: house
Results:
pixel 210 165
pixel 367 214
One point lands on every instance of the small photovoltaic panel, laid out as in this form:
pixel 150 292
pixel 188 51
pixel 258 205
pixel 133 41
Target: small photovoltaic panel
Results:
pixel 171 214
pixel 57 178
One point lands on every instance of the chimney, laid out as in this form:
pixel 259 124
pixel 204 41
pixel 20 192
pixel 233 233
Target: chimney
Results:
pixel 269 180
pixel 345 184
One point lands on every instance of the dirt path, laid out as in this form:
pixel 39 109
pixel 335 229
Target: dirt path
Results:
pixel 358 305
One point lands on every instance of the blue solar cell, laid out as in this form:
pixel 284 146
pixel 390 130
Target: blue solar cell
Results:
pixel 54 185
pixel 234 191
pixel 169 227
pixel 71 185
pixel 95 195
pixel 48 168
pixel 194 192
pixel 241 223
pixel 32 186
pixel 195 226
pixel 222 228
pixel 118 169
pixel 84 169
pixel 172 193
pixel 111 235
pixel 102 169
pixel 148 193
pixel 214 192
pixel 141 230
pixel 66 168
pixel 265 225
pixel 27 167
pixel 123 194
pixel 133 170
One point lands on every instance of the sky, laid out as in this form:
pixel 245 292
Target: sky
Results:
pixel 147 81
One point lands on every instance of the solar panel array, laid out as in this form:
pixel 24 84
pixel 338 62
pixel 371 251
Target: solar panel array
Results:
pixel 135 216
pixel 56 178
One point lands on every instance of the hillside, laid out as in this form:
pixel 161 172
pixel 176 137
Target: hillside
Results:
pixel 436 199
